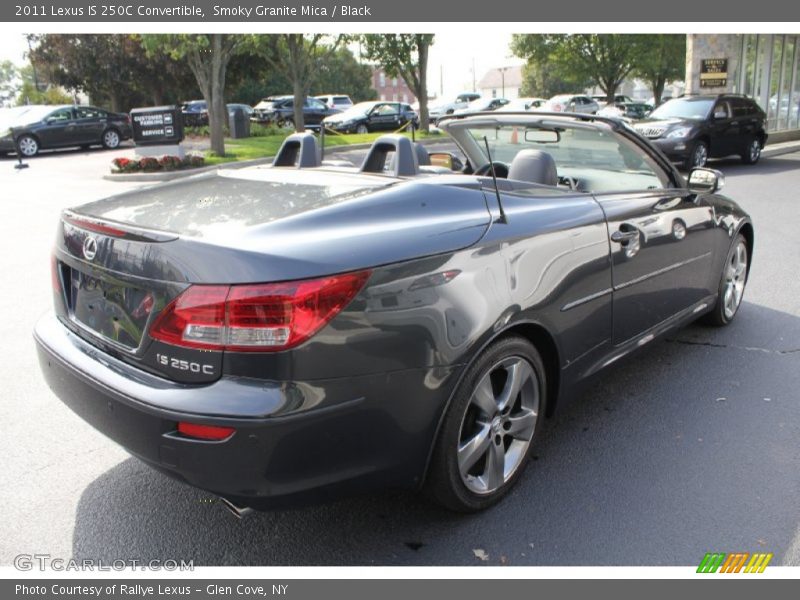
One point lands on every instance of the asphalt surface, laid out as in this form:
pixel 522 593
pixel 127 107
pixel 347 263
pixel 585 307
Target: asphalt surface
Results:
pixel 689 447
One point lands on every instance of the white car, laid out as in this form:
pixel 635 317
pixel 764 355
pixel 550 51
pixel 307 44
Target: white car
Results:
pixel 482 105
pixel 574 103
pixel 440 109
pixel 336 101
pixel 523 104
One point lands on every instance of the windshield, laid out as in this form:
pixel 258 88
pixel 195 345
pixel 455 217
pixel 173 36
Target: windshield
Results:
pixel 480 103
pixel 357 110
pixel 683 109
pixel 597 159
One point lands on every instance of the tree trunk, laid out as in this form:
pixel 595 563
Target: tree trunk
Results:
pixel 422 92
pixel 298 89
pixel 658 89
pixel 216 108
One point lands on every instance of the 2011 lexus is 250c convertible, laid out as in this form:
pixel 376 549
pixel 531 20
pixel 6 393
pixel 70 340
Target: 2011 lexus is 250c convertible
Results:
pixel 286 333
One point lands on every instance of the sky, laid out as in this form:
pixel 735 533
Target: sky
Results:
pixel 449 64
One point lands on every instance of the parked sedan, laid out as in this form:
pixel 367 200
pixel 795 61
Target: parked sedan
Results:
pixel 629 111
pixel 571 103
pixel 482 105
pixel 366 117
pixel 279 110
pixel 37 127
pixel 523 104
pixel 318 330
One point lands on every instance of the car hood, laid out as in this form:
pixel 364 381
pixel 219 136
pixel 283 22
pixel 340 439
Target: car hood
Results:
pixel 287 223
pixel 665 123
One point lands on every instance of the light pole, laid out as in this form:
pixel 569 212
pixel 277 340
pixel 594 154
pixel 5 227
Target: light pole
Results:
pixel 503 80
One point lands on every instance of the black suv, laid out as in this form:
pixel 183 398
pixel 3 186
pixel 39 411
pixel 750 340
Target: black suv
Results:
pixel 279 110
pixel 692 129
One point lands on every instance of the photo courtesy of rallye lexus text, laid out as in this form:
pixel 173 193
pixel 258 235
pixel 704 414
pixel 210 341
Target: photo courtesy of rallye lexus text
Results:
pixel 289 333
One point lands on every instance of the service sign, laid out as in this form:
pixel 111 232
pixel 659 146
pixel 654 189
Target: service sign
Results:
pixel 713 72
pixel 157 125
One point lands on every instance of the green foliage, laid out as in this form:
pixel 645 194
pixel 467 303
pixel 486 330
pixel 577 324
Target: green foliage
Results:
pixel 9 81
pixel 114 70
pixel 341 73
pixel 662 59
pixel 404 55
pixel 602 59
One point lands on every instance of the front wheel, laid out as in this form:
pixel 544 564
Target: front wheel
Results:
pixel 698 157
pixel 731 285
pixel 286 124
pixel 28 145
pixel 362 129
pixel 490 427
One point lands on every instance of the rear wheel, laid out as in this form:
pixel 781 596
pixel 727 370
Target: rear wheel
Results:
pixel 111 139
pixel 28 145
pixel 731 285
pixel 490 427
pixel 752 152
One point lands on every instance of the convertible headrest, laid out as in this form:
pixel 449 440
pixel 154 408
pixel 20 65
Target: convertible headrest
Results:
pixel 534 166
pixel 298 150
pixel 401 155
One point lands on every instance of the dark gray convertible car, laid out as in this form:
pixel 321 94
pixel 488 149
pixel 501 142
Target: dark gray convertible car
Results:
pixel 297 331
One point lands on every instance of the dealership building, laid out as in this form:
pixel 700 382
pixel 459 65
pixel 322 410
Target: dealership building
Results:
pixel 764 67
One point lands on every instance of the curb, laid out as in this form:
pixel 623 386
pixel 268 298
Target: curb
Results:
pixel 785 148
pixel 241 164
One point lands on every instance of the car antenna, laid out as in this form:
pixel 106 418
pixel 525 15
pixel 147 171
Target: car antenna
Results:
pixel 502 218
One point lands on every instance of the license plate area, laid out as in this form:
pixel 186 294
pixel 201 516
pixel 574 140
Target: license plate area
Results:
pixel 110 308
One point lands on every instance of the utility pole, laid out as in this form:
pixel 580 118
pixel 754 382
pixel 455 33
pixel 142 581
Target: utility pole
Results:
pixel 473 75
pixel 503 80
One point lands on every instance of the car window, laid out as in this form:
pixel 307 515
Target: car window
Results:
pixel 722 107
pixel 596 160
pixel 316 104
pixel 63 114
pixel 386 110
pixel 90 112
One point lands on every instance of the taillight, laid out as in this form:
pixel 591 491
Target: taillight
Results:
pixel 205 432
pixel 255 318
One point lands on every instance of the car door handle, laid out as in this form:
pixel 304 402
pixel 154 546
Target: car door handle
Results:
pixel 622 237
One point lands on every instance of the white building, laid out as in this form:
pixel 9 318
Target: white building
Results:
pixel 501 82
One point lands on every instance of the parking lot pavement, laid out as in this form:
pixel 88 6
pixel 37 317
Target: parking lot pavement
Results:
pixel 690 447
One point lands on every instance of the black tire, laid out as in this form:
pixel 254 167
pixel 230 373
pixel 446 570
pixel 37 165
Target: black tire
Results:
pixel 286 124
pixel 697 157
pixel 445 483
pixel 752 151
pixel 111 139
pixel 362 129
pixel 721 314
pixel 28 145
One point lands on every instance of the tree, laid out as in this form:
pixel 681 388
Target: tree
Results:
pixel 662 59
pixel 10 81
pixel 113 70
pixel 298 58
pixel 341 73
pixel 545 80
pixel 404 55
pixel 208 56
pixel 604 59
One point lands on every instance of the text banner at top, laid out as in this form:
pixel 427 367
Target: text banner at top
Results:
pixel 287 11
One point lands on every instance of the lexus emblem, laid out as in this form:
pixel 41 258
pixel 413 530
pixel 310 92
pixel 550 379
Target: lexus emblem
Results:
pixel 89 248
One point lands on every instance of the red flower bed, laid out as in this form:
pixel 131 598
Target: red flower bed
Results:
pixel 150 164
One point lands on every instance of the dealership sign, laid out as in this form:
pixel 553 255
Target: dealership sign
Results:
pixel 157 125
pixel 713 72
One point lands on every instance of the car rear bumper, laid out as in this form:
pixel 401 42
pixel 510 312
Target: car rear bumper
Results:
pixel 345 435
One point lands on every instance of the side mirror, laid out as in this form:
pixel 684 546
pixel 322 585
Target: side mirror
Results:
pixel 446 160
pixel 705 181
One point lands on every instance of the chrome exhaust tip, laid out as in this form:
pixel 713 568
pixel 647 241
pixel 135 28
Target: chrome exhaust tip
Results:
pixel 237 510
